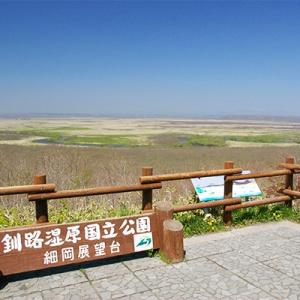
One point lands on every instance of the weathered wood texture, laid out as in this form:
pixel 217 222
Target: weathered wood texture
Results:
pixel 25 189
pixel 289 179
pixel 173 241
pixel 259 175
pixel 94 191
pixel 227 215
pixel 188 175
pixel 290 166
pixel 290 193
pixel 41 207
pixel 147 194
pixel 208 204
pixel 44 246
pixel 257 203
pixel 163 211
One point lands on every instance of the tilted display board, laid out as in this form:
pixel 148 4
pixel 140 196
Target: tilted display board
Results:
pixel 212 188
pixel 43 246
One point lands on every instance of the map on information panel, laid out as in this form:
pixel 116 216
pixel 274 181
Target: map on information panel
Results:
pixel 212 188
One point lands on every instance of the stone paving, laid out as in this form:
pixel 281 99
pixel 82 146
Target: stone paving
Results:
pixel 256 262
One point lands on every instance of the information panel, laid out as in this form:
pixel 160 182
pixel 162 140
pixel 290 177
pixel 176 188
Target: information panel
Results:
pixel 212 188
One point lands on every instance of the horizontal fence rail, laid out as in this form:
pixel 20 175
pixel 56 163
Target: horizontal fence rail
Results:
pixel 25 189
pixel 188 175
pixel 41 191
pixel 208 204
pixel 258 203
pixel 290 166
pixel 94 191
pixel 290 193
pixel 259 175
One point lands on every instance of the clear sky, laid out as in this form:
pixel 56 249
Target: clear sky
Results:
pixel 138 57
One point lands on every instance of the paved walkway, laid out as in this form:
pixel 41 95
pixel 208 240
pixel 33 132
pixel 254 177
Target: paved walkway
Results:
pixel 257 262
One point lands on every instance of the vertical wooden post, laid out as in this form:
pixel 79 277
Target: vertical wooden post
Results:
pixel 227 215
pixel 289 179
pixel 298 183
pixel 163 211
pixel 41 206
pixel 170 233
pixel 173 241
pixel 147 194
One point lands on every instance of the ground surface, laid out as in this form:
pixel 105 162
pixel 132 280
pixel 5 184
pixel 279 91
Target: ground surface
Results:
pixel 257 262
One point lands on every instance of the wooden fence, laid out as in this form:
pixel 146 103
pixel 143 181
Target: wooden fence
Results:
pixel 286 194
pixel 43 245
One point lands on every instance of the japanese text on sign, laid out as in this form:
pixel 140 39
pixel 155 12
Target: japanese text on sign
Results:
pixel 76 242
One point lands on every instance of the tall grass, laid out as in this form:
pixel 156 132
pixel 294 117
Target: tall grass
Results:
pixel 79 167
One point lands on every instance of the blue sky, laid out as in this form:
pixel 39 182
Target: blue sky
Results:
pixel 149 58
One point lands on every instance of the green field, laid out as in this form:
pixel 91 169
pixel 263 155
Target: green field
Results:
pixel 148 132
pixel 222 141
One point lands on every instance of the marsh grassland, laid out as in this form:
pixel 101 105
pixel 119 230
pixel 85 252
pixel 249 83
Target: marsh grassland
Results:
pixel 114 132
pixel 78 153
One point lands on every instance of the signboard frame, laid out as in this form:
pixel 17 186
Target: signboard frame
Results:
pixel 212 188
pixel 38 247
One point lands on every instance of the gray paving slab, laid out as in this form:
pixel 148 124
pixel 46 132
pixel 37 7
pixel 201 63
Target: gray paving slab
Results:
pixel 38 284
pixel 296 239
pixel 288 265
pixel 20 288
pixel 33 296
pixel 290 247
pixel 202 267
pixel 255 241
pixel 204 249
pixel 83 291
pixel 148 295
pixel 287 233
pixel 226 284
pixel 255 262
pixel 252 294
pixel 296 254
pixel 263 251
pixel 161 276
pixel 232 260
pixel 214 278
pixel 119 286
pixel 106 270
pixel 144 263
pixel 186 290
pixel 268 280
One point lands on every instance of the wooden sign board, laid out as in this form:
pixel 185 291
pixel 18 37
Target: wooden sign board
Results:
pixel 44 246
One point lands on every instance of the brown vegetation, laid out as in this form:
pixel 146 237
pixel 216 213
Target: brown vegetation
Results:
pixel 75 167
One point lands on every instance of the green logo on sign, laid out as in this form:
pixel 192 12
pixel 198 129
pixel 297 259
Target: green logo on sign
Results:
pixel 144 242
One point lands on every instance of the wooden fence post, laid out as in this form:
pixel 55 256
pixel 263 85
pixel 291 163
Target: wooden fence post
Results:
pixel 170 233
pixel 173 241
pixel 289 179
pixel 41 206
pixel 164 211
pixel 227 215
pixel 147 194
